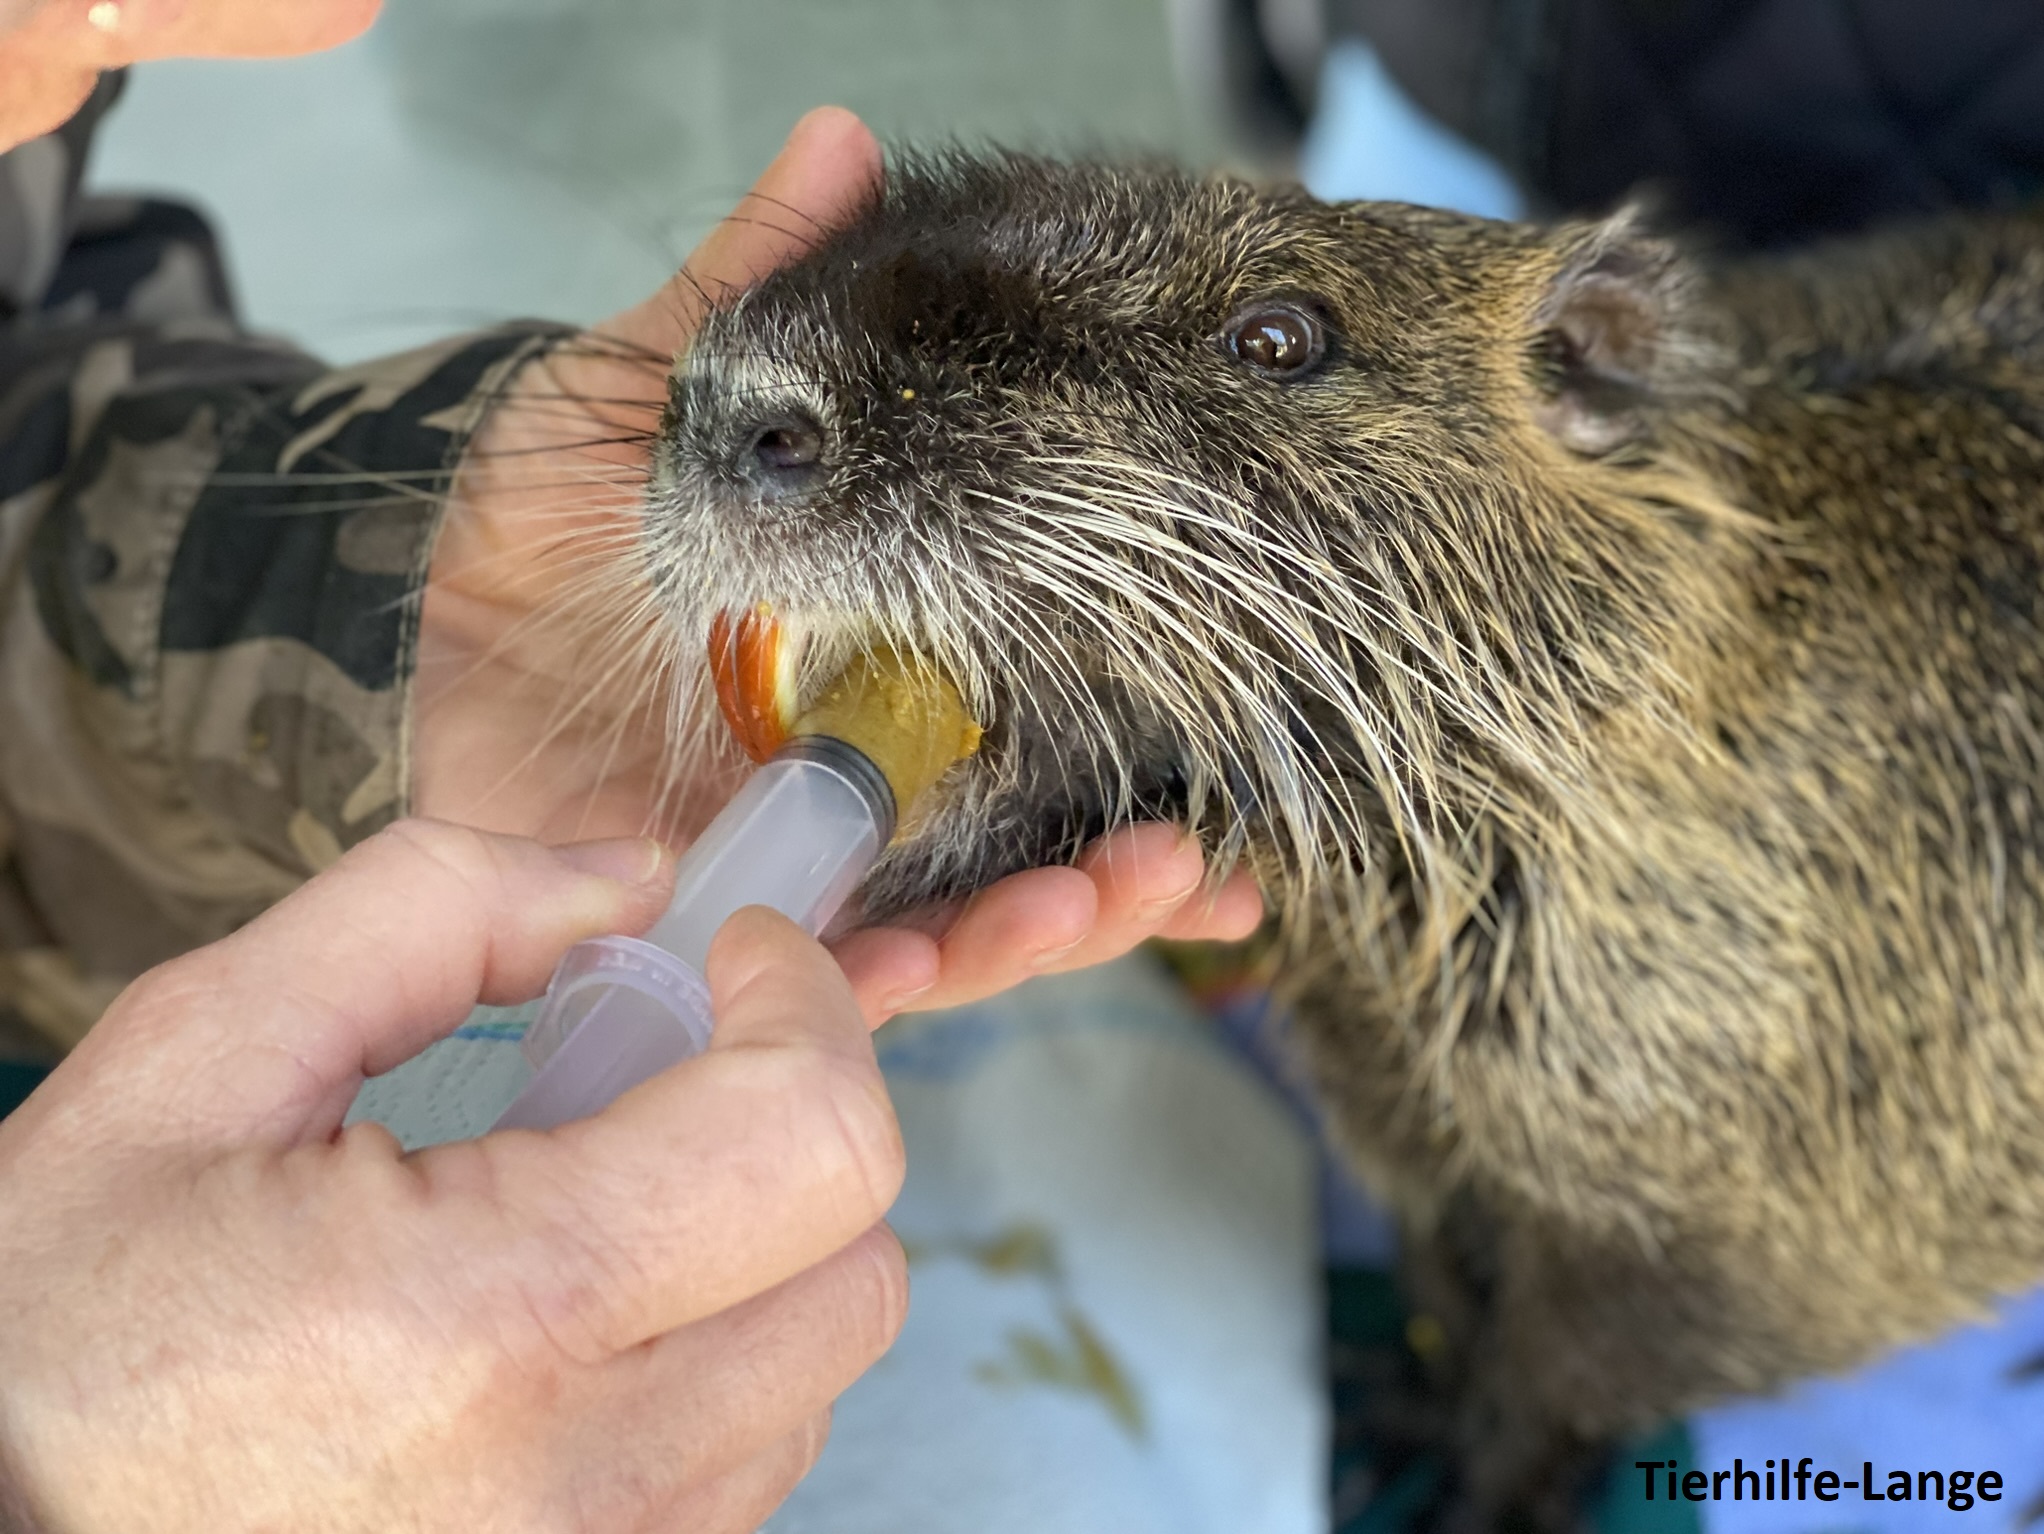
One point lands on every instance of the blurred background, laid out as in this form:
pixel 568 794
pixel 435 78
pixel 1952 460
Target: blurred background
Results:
pixel 472 160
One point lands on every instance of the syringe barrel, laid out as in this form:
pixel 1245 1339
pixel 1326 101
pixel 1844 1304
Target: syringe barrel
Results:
pixel 798 837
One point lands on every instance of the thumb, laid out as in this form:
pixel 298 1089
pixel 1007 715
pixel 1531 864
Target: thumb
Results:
pixel 156 29
pixel 827 169
pixel 778 1142
pixel 269 1033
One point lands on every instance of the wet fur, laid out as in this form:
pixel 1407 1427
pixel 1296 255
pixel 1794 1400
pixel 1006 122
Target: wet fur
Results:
pixel 1626 677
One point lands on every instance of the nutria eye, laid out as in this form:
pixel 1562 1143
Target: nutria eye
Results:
pixel 1275 338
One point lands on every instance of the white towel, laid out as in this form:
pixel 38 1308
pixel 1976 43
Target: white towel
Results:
pixel 1116 1320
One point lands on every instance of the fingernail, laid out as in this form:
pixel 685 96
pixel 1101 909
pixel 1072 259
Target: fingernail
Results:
pixel 1164 905
pixel 627 859
pixel 1044 958
pixel 901 1001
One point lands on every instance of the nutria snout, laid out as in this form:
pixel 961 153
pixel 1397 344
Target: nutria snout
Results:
pixel 1625 675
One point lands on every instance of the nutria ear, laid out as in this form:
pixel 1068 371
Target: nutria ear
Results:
pixel 1609 335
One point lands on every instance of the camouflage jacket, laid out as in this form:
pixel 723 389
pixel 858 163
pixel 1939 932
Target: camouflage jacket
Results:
pixel 211 553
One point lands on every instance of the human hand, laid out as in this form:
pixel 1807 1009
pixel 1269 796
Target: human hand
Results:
pixel 539 699
pixel 52 51
pixel 219 1311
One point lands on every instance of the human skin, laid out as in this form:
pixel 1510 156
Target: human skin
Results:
pixel 558 466
pixel 225 1312
pixel 492 682
pixel 51 53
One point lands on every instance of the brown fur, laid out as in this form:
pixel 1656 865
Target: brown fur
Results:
pixel 1627 677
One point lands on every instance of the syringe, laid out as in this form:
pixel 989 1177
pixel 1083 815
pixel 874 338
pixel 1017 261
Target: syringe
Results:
pixel 798 836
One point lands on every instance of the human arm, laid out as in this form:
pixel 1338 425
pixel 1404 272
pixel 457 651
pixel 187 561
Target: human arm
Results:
pixel 223 1311
pixel 52 52
pixel 242 627
pixel 558 466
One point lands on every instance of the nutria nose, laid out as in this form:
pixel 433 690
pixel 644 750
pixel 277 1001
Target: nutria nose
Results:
pixel 782 455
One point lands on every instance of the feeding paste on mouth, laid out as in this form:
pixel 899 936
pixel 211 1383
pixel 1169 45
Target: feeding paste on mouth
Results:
pixel 898 711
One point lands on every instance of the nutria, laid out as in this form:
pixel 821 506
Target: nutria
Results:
pixel 1624 671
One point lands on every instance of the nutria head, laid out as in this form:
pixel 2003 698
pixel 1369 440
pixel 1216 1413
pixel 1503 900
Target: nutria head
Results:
pixel 1329 529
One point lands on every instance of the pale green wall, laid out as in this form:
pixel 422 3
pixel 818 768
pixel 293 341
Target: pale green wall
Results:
pixel 472 159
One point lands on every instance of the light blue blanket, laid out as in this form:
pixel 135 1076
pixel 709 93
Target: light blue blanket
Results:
pixel 1116 1324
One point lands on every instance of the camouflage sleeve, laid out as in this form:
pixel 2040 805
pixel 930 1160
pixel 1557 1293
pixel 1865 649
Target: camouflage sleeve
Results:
pixel 211 554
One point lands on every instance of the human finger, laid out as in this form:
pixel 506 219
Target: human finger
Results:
pixel 51 55
pixel 739 1501
pixel 700 1402
pixel 1139 882
pixel 1141 875
pixel 269 1033
pixel 497 556
pixel 712 1182
pixel 155 29
pixel 1121 891
pixel 50 59
pixel 828 167
pixel 1152 882
pixel 890 969
pixel 1022 925
pixel 1126 887
pixel 1227 914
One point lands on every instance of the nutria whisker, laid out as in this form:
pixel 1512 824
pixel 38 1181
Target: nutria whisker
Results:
pixel 1623 673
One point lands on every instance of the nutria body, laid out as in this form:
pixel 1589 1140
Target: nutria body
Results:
pixel 1627 677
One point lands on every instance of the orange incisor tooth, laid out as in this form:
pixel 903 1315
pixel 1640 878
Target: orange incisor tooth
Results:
pixel 755 690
